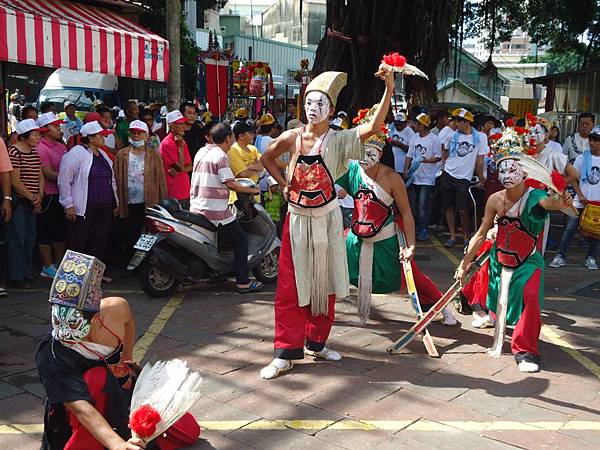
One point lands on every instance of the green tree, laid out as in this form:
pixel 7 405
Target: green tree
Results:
pixel 154 20
pixel 571 28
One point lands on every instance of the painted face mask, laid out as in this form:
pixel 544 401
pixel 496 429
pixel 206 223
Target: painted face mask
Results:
pixel 137 144
pixel 69 326
pixel 371 158
pixel 317 107
pixel 538 133
pixel 510 173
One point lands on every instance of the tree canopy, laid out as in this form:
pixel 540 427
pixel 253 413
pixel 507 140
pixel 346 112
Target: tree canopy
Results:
pixel 568 27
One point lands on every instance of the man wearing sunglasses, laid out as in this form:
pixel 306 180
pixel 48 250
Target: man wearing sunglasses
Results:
pixel 244 157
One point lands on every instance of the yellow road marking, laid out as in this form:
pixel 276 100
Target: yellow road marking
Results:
pixel 586 362
pixel 548 332
pixel 157 325
pixel 443 250
pixel 443 426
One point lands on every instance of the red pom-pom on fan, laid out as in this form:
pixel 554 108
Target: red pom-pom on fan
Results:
pixel 559 181
pixel 394 59
pixel 143 421
pixel 510 123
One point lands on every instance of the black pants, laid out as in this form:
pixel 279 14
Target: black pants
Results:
pixel 233 233
pixel 90 234
pixel 130 229
pixel 51 221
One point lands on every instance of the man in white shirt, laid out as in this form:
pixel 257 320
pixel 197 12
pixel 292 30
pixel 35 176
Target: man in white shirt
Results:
pixel 424 153
pixel 212 179
pixel 400 135
pixel 578 142
pixel 462 154
pixel 587 187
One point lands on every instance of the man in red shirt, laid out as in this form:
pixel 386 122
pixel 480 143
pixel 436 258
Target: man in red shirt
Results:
pixel 176 159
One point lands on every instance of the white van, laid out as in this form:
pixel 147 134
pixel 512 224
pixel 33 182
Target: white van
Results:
pixel 81 88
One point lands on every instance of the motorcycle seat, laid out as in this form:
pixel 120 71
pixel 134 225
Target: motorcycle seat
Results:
pixel 195 218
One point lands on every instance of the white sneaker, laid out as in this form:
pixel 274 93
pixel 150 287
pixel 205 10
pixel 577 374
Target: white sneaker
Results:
pixel 326 354
pixel 528 367
pixel 448 317
pixel 483 322
pixel 277 367
pixel 558 261
pixel 590 263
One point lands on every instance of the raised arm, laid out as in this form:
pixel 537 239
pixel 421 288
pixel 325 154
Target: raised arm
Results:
pixel 368 129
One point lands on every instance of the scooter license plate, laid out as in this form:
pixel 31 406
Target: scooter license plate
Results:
pixel 145 242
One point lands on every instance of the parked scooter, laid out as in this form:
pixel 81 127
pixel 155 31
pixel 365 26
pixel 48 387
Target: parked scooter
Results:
pixel 183 248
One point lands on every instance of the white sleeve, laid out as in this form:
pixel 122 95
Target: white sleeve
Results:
pixel 436 146
pixel 483 144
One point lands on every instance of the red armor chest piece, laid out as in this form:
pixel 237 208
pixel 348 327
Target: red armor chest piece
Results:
pixel 514 243
pixel 369 215
pixel 311 185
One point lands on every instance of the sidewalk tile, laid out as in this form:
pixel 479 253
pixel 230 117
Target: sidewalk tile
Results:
pixel 540 439
pixel 28 381
pixel 281 439
pixel 8 390
pixel 358 439
pixel 12 363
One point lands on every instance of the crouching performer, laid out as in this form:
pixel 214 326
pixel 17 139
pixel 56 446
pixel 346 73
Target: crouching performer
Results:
pixel 86 366
pixel 312 263
pixel 516 267
pixel 383 229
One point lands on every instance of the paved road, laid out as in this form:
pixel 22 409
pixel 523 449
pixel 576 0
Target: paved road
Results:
pixel 369 399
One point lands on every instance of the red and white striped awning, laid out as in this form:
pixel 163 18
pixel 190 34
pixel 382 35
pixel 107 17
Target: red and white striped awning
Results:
pixel 59 33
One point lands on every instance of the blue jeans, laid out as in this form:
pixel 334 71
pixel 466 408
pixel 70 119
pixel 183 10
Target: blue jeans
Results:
pixel 567 237
pixel 20 241
pixel 419 197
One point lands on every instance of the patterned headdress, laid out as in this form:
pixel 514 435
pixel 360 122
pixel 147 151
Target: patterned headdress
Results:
pixel 329 83
pixel 77 282
pixel 380 138
pixel 512 142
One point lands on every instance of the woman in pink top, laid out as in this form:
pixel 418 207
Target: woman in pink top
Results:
pixel 51 221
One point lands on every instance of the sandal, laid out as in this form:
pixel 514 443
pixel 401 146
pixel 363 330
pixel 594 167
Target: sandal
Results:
pixel 450 243
pixel 255 286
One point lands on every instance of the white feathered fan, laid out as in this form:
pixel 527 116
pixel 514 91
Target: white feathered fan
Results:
pixel 397 63
pixel 555 181
pixel 164 392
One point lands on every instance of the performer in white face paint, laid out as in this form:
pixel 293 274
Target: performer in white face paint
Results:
pixel 312 262
pixel 516 267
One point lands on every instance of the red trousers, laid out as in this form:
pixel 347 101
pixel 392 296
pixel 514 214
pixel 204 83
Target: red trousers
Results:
pixel 296 326
pixel 183 433
pixel 524 343
pixel 475 291
pixel 427 291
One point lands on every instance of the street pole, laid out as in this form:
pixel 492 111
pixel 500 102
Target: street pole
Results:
pixel 173 35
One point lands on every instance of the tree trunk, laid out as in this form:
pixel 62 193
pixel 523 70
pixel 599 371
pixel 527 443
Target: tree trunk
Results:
pixel 173 8
pixel 360 32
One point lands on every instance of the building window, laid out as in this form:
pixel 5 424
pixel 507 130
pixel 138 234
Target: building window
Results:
pixel 297 34
pixel 323 28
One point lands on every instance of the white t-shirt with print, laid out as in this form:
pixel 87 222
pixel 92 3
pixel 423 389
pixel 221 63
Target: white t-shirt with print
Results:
pixel 461 165
pixel 426 147
pixel 590 187
pixel 404 136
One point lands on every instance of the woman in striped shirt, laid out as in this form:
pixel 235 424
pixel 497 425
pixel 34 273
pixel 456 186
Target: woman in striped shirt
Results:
pixel 27 183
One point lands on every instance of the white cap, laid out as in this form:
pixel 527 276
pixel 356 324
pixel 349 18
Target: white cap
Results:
pixel 139 126
pixel 163 111
pixel 121 114
pixel 26 125
pixel 175 117
pixel 271 182
pixel 49 118
pixel 400 117
pixel 94 127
